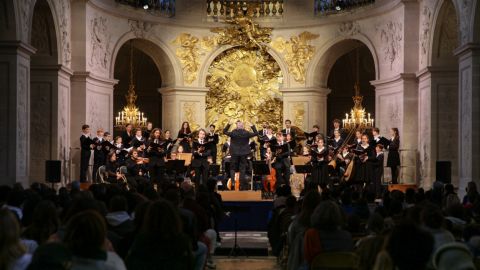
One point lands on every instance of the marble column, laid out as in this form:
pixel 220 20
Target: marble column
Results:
pixel 91 104
pixel 306 107
pixel 396 106
pixel 181 104
pixel 437 121
pixel 14 111
pixel 469 113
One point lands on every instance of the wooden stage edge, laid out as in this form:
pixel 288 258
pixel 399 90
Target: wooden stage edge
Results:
pixel 242 196
pixel 401 187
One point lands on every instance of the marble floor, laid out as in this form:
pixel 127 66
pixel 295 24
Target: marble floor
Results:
pixel 250 263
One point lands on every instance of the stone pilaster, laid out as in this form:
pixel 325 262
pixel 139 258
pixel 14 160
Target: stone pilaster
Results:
pixel 92 104
pixel 396 106
pixel 306 107
pixel 469 113
pixel 14 111
pixel 181 104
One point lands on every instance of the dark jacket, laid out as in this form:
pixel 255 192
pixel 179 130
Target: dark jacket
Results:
pixel 239 142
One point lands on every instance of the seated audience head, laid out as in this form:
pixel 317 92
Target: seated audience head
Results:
pixel 327 216
pixel 85 233
pixel 162 219
pixel 11 248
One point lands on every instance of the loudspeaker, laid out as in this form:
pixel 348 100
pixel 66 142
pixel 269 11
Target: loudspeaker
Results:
pixel 443 171
pixel 53 171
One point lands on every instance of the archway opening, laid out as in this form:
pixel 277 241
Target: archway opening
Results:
pixel 342 78
pixel 44 88
pixel 146 78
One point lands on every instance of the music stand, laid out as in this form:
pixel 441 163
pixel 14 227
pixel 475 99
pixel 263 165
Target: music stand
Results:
pixel 260 168
pixel 175 167
pixel 236 249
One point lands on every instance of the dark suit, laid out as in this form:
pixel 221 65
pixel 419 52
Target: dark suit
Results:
pixel 282 163
pixel 213 142
pixel 99 157
pixel 126 139
pixel 377 163
pixel 85 153
pixel 393 160
pixel 200 162
pixel 292 132
pixel 156 164
pixel 239 149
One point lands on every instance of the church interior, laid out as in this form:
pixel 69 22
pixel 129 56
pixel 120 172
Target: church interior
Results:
pixel 233 134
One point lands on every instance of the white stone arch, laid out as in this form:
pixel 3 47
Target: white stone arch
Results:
pixel 162 56
pixel 320 66
pixel 202 81
pixel 434 38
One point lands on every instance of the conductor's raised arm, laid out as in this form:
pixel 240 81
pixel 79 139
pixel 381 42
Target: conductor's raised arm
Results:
pixel 225 130
pixel 255 131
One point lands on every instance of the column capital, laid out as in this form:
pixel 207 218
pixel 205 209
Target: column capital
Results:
pixel 466 48
pixel 17 46
pixel 92 78
pixel 302 91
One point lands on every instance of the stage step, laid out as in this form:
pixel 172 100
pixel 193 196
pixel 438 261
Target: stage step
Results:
pixel 241 196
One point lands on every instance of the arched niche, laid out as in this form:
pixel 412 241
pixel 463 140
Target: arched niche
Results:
pixel 164 59
pixel 320 66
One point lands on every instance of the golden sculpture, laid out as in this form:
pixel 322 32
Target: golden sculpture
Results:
pixel 298 53
pixel 188 53
pixel 245 32
pixel 244 84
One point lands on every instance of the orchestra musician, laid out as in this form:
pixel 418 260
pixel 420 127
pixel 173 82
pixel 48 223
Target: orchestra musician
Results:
pixel 393 160
pixel 226 157
pixel 201 151
pixel 122 153
pixel 282 160
pixel 113 168
pixel 239 149
pixel 86 145
pixel 292 144
pixel 156 155
pixel 319 161
pixel 136 165
pixel 99 157
pixel 311 136
pixel 213 140
pixel 127 135
pixel 344 157
pixel 288 129
pixel 184 135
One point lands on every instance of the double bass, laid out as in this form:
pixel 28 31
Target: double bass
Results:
pixel 269 184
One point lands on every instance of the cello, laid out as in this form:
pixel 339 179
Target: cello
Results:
pixel 269 184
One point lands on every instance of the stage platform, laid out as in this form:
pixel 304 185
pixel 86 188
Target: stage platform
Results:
pixel 242 196
pixel 401 187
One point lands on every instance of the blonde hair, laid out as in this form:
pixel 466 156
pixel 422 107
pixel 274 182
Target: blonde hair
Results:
pixel 10 246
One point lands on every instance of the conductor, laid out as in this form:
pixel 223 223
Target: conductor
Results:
pixel 239 149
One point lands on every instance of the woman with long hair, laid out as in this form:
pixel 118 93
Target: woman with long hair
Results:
pixel 13 254
pixel 184 135
pixel 45 222
pixel 393 160
pixel 161 243
pixel 156 152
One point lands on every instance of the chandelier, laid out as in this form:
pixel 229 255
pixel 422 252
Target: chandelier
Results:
pixel 358 117
pixel 131 114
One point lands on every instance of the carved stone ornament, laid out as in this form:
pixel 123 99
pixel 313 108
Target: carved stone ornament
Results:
pixel 298 53
pixel 139 28
pixel 425 29
pixel 391 34
pixel 25 16
pixel 100 44
pixel 349 28
pixel 466 13
pixel 298 113
pixel 63 9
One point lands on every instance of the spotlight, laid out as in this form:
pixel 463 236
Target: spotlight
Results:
pixel 339 5
pixel 145 6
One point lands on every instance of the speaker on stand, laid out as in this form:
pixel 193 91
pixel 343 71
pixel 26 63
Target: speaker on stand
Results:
pixel 443 171
pixel 53 171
